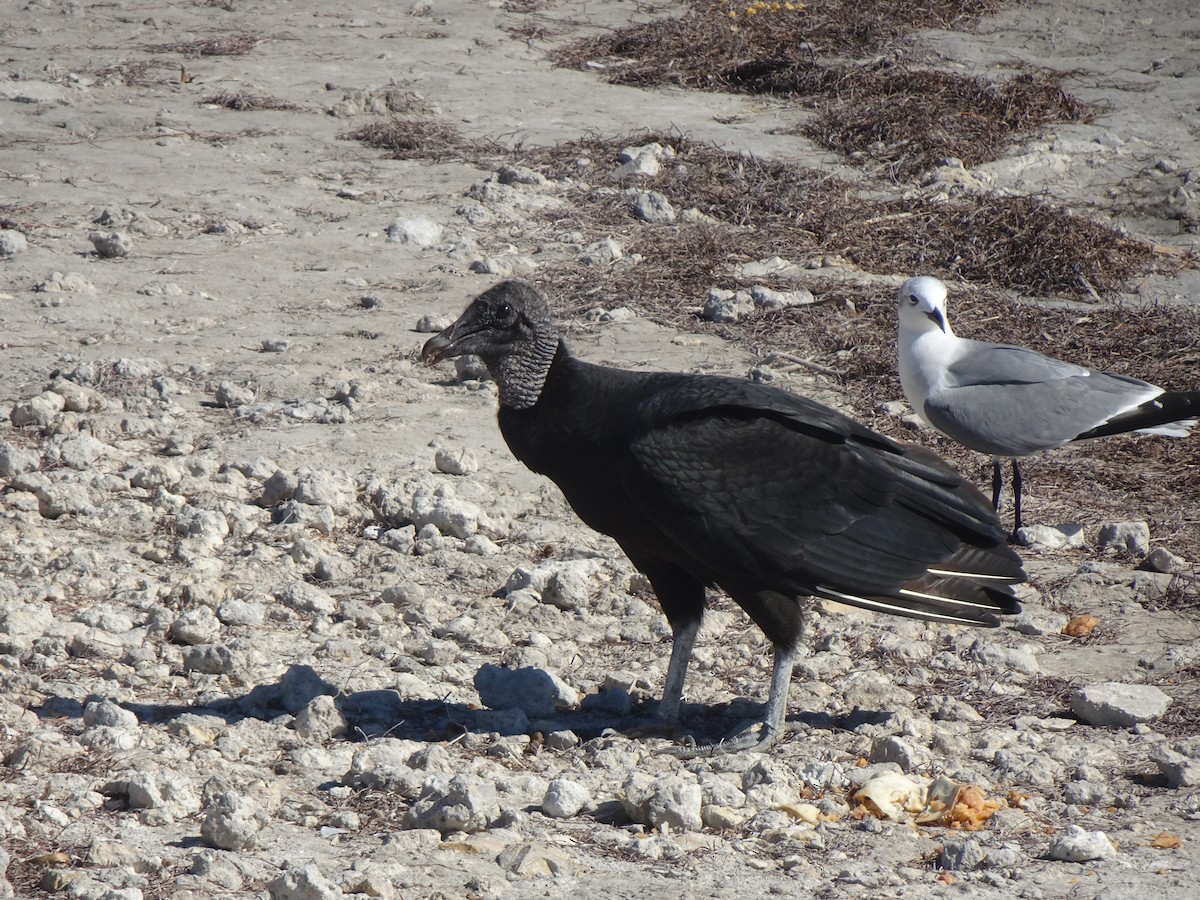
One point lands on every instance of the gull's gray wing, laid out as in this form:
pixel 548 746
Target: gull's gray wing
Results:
pixel 1010 401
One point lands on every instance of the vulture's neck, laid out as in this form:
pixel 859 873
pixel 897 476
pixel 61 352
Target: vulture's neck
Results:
pixel 521 374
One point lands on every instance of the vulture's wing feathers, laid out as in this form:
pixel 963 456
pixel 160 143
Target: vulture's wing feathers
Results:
pixel 761 485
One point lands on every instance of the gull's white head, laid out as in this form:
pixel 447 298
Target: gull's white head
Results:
pixel 923 305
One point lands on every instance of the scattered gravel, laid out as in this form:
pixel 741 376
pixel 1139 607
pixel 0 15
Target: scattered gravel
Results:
pixel 280 616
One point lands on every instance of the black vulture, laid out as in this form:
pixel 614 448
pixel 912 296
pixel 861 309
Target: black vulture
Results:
pixel 709 481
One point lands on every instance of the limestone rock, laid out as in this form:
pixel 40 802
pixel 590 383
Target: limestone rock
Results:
pixel 1122 705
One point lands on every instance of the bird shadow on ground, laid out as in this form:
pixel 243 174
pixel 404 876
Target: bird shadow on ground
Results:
pixel 385 713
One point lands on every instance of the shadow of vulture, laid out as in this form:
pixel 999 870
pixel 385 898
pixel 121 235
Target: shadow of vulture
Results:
pixel 714 481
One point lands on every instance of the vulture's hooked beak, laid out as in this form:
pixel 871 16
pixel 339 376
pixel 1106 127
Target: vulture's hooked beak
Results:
pixel 935 316
pixel 439 346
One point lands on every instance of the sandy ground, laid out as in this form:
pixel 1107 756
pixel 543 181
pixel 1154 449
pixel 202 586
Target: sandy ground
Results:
pixel 256 235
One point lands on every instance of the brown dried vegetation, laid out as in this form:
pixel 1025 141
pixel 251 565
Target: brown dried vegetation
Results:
pixel 238 44
pixel 899 119
pixel 417 138
pixel 244 102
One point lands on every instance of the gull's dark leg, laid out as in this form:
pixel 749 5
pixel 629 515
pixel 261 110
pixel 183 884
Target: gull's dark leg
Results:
pixel 997 483
pixel 1016 489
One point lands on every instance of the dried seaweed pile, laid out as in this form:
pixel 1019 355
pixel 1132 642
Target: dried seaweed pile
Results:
pixel 237 44
pixel 764 208
pixel 900 118
pixel 715 44
pixel 907 121
pixel 417 138
pixel 241 101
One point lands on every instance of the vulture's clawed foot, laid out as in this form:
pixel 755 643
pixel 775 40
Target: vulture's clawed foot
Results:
pixel 757 739
pixel 655 728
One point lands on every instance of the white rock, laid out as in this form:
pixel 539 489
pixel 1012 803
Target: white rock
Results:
pixel 534 859
pixel 212 659
pixel 233 821
pixel 417 230
pixel 40 411
pixel 455 462
pixel 304 883
pixel 278 487
pixel 38 93
pixel 1015 659
pixel 602 252
pixel 721 818
pixel 895 749
pixel 1182 769
pixel 18 460
pixel 534 691
pixel 465 804
pixel 430 324
pixel 81 451
pixel 320 488
pixel 653 207
pixel 64 499
pixel 11 243
pixel 320 720
pixel 1160 559
pixel 519 175
pixel 196 626
pixel 236 611
pixel 208 527
pixel 569 582
pixel 1074 844
pixel 230 396
pixel 1131 538
pixel 618 315
pixel 79 398
pixel 1051 537
pixel 645 160
pixel 71 282
pixel 768 298
pixel 169 794
pixel 6 888
pixel 1084 793
pixel 727 306
pixel 110 244
pixel 674 804
pixel 139 367
pixel 961 855
pixel 156 475
pixel 108 714
pixel 307 598
pixel 1122 705
pixel 565 798
pixel 23 623
pixel 635 796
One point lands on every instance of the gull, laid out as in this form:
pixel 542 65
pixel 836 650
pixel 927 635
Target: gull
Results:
pixel 1010 401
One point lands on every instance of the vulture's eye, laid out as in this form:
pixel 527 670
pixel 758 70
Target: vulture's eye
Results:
pixel 503 311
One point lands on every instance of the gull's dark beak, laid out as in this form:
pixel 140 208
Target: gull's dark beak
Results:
pixel 936 317
pixel 439 346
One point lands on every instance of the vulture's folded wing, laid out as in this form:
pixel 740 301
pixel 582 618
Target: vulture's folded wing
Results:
pixel 764 486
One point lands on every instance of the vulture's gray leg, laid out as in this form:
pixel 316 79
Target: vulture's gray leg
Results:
pixel 759 737
pixel 684 640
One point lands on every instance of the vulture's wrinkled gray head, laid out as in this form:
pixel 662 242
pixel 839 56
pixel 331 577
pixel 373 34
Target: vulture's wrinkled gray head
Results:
pixel 511 329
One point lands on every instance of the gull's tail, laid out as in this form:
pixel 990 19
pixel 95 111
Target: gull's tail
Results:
pixel 1171 413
